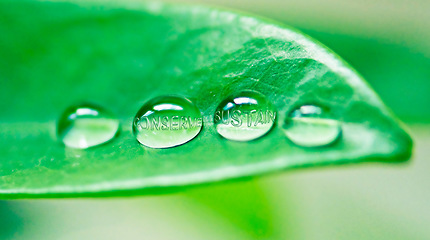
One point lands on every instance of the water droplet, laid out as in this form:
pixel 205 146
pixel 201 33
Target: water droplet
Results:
pixel 167 121
pixel 86 125
pixel 245 116
pixel 309 126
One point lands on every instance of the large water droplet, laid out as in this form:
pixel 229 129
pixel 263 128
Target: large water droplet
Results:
pixel 244 116
pixel 167 121
pixel 309 126
pixel 86 125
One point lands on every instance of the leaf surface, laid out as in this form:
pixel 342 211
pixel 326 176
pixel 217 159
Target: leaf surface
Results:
pixel 53 55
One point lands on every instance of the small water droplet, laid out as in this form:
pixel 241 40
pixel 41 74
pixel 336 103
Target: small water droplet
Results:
pixel 167 121
pixel 245 116
pixel 86 125
pixel 309 126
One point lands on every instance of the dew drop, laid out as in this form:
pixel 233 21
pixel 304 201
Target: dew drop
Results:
pixel 245 116
pixel 86 125
pixel 167 121
pixel 309 126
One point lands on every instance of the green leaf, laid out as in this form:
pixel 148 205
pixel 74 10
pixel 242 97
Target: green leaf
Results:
pixel 53 55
